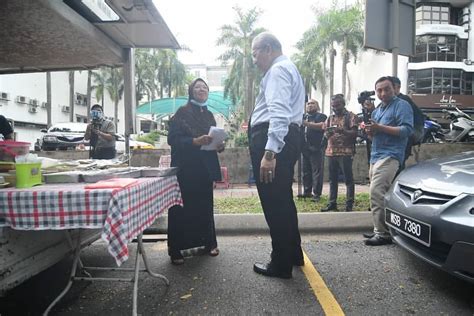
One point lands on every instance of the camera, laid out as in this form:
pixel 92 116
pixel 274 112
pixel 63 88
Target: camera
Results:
pixel 364 96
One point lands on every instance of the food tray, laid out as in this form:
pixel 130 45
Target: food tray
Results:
pixel 159 172
pixel 129 174
pixel 97 175
pixel 61 177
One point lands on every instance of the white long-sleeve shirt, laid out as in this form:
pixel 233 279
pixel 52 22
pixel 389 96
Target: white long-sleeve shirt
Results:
pixel 280 101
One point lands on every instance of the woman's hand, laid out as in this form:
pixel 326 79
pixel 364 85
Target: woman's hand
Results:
pixel 202 140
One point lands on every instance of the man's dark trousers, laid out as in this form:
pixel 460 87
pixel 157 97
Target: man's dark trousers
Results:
pixel 313 166
pixel 335 164
pixel 277 197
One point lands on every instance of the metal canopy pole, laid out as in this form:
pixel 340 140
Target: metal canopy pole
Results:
pixel 395 36
pixel 129 95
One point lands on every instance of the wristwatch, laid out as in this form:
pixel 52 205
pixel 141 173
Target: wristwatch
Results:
pixel 269 155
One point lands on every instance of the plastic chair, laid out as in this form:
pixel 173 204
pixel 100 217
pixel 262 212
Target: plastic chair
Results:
pixel 224 183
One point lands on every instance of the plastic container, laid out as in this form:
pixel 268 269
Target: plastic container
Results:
pixel 28 174
pixel 9 149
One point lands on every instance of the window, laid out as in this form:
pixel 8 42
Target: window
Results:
pixel 432 14
pixel 439 48
pixel 440 81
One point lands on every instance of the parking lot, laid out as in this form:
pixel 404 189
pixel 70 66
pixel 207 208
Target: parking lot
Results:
pixel 363 281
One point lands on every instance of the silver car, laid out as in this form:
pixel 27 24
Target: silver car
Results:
pixel 430 211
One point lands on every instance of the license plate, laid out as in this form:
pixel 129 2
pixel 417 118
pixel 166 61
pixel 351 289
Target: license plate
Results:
pixel 419 231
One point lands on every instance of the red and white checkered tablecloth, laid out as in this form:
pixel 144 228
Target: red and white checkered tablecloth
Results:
pixel 121 213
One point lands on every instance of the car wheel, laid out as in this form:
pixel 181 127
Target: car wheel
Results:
pixel 46 148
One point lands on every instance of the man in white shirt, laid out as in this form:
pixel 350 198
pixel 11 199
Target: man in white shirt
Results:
pixel 275 145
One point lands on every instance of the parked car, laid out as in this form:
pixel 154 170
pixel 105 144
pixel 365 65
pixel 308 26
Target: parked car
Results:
pixel 430 211
pixel 63 136
pixel 120 144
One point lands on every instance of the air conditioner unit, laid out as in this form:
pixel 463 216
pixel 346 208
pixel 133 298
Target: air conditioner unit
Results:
pixel 34 102
pixel 32 109
pixel 65 108
pixel 44 105
pixel 21 99
pixel 4 96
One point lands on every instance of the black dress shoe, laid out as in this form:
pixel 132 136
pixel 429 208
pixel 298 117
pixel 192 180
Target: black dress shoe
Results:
pixel 315 198
pixel 349 209
pixel 269 270
pixel 368 235
pixel 378 241
pixel 329 207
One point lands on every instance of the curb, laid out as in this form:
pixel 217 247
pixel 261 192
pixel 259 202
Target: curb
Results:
pixel 240 224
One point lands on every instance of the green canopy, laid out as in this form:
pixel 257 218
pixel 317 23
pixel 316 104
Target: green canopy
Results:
pixel 216 104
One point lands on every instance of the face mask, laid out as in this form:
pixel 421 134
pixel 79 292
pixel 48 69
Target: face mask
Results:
pixel 199 103
pixel 96 115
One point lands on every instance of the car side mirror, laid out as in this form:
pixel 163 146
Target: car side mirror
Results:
pixel 43 130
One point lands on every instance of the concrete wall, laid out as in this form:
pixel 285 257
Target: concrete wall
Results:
pixel 237 159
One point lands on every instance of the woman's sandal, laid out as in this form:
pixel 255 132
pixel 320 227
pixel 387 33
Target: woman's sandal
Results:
pixel 214 252
pixel 177 258
pixel 177 262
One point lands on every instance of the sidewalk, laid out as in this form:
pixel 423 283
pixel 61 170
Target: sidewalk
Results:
pixel 237 224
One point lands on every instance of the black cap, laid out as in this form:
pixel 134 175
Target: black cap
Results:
pixel 97 106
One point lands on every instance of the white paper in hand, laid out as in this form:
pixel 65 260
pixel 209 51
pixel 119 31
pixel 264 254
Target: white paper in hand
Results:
pixel 218 136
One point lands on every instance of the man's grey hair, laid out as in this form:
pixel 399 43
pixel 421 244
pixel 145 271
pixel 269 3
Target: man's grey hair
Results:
pixel 267 38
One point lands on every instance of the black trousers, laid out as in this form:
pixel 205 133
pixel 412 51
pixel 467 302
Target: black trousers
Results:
pixel 313 171
pixel 277 197
pixel 343 163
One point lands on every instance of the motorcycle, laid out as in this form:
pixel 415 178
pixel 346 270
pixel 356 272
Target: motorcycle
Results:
pixel 432 131
pixel 461 128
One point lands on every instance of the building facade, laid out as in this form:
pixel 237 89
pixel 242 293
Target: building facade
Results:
pixel 441 73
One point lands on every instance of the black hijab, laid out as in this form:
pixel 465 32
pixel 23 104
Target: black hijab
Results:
pixel 193 119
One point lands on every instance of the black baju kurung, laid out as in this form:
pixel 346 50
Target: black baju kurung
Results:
pixel 192 225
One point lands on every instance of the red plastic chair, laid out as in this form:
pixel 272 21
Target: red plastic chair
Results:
pixel 224 183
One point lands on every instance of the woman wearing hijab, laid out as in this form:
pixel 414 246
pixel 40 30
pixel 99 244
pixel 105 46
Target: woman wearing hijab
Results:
pixel 192 225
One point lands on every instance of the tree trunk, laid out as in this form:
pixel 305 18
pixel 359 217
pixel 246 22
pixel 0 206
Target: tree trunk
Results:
pixel 332 54
pixel 116 114
pixel 71 96
pixel 89 92
pixel 344 66
pixel 48 99
pixel 323 90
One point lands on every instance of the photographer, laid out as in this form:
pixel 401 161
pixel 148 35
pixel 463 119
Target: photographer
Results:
pixel 101 133
pixel 5 128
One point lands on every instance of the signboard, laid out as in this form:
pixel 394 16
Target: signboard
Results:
pixel 379 25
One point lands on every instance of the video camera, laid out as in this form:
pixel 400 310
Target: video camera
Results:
pixel 364 96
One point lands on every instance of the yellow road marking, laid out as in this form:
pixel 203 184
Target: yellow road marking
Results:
pixel 323 294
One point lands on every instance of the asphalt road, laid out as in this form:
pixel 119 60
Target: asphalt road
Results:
pixel 364 281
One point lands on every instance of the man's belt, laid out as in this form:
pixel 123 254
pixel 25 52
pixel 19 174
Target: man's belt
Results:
pixel 264 126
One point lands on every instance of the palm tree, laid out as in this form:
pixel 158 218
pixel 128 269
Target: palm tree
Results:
pixel 342 27
pixel 238 40
pixel 114 86
pixel 100 79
